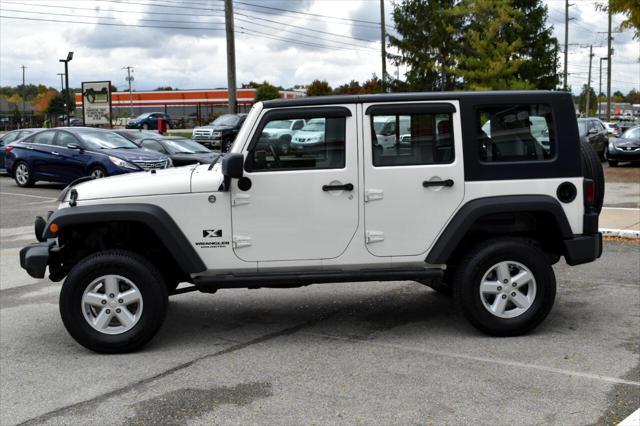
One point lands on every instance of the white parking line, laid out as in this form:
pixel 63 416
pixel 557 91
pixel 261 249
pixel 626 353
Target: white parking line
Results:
pixel 632 420
pixel 621 208
pixel 482 359
pixel 28 195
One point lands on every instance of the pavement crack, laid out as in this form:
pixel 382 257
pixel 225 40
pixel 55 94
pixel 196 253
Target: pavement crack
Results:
pixel 118 392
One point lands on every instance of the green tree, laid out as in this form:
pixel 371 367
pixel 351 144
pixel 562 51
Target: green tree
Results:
pixel 56 105
pixel 266 91
pixel 582 101
pixel 373 85
pixel 428 43
pixel 630 9
pixel 490 57
pixel 633 96
pixel 351 88
pixel 539 48
pixel 319 88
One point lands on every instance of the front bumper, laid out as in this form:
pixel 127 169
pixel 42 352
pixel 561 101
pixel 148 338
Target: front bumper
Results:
pixel 622 155
pixel 34 258
pixel 583 248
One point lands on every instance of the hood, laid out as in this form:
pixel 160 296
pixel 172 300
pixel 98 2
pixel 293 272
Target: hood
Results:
pixel 202 158
pixel 629 143
pixel 136 154
pixel 175 180
pixel 217 127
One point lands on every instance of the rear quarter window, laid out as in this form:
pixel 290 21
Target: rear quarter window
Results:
pixel 515 133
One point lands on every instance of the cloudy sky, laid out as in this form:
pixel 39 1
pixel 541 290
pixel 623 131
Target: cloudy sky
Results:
pixel 286 42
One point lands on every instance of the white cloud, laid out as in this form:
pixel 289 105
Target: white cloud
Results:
pixel 197 59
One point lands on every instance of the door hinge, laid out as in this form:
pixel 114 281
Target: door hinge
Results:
pixel 240 241
pixel 240 199
pixel 374 236
pixel 373 194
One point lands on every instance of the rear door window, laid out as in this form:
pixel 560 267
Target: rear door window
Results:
pixel 43 138
pixel 515 132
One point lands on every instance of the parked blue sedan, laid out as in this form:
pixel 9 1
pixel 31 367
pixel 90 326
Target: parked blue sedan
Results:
pixel 9 137
pixel 65 154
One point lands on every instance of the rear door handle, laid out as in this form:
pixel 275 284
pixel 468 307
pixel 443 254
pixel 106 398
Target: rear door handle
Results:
pixel 430 183
pixel 345 187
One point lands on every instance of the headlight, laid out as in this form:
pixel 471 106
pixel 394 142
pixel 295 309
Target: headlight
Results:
pixel 216 134
pixel 121 163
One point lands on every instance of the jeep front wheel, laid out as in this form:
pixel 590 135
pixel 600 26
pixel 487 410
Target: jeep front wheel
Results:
pixel 113 301
pixel 505 287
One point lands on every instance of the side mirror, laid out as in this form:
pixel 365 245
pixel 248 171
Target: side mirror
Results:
pixel 593 131
pixel 74 146
pixel 232 165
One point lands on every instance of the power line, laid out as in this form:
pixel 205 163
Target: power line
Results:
pixel 251 19
pixel 107 23
pixel 99 17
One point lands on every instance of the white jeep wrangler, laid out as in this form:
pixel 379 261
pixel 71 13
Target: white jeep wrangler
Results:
pixel 482 216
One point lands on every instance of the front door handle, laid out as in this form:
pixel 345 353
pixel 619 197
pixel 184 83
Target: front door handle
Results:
pixel 430 183
pixel 55 153
pixel 345 187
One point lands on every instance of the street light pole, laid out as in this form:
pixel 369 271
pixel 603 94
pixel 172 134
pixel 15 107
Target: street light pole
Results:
pixel 61 74
pixel 24 111
pixel 66 82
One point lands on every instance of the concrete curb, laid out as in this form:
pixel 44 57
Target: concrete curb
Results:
pixel 621 233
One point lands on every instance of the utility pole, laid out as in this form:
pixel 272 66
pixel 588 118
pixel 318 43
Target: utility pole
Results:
pixel 589 80
pixel 129 80
pixel 566 42
pixel 231 56
pixel 600 87
pixel 609 38
pixel 383 42
pixel 61 74
pixel 24 111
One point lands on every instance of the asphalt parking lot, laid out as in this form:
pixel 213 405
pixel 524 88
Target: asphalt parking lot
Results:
pixel 365 353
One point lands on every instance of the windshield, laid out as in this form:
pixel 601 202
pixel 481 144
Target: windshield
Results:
pixel 141 134
pixel 141 116
pixel 278 124
pixel 106 140
pixel 633 133
pixel 314 126
pixel 226 120
pixel 184 146
pixel 582 126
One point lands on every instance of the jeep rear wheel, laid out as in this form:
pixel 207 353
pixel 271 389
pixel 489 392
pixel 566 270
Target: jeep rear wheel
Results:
pixel 505 286
pixel 592 169
pixel 113 301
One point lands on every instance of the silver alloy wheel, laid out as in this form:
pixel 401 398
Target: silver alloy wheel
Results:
pixel 22 174
pixel 97 173
pixel 112 304
pixel 508 289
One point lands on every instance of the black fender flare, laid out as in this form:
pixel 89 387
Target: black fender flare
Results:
pixel 156 218
pixel 469 213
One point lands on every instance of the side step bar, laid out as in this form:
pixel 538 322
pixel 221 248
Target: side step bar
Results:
pixel 303 278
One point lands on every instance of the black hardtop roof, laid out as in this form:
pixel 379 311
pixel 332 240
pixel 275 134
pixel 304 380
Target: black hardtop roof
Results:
pixel 408 97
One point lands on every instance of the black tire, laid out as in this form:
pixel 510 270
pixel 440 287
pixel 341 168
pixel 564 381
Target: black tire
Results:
pixel 592 169
pixel 97 172
pixel 130 266
pixel 481 259
pixel 612 163
pixel 21 181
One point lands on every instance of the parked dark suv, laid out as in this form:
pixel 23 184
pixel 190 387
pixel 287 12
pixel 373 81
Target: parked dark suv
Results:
pixel 595 134
pixel 221 132
pixel 149 120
